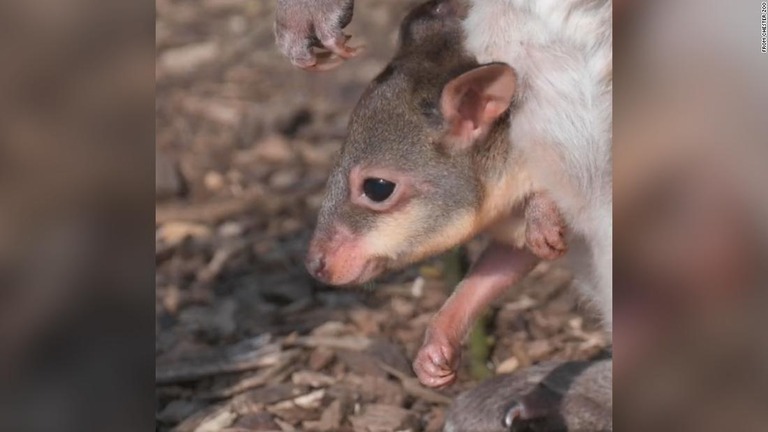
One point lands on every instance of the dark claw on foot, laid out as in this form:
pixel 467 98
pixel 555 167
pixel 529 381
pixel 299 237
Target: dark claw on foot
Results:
pixel 513 413
pixel 537 411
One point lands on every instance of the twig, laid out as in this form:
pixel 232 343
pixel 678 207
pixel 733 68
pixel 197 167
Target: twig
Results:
pixel 352 343
pixel 210 212
pixel 479 351
pixel 456 267
pixel 220 258
pixel 276 373
pixel 242 357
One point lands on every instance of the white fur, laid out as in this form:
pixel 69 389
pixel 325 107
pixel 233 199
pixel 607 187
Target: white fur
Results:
pixel 561 121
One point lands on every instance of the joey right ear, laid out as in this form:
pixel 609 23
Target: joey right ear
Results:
pixel 471 102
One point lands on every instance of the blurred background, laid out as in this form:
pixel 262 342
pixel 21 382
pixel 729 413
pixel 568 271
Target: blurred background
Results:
pixel 242 338
pixel 690 219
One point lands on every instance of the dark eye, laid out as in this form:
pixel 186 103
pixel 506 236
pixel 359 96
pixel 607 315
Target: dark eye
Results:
pixel 378 190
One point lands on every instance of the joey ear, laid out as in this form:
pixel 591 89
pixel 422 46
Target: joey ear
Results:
pixel 471 102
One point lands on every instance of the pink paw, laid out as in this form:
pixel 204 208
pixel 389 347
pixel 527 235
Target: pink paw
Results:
pixel 545 228
pixel 545 240
pixel 436 362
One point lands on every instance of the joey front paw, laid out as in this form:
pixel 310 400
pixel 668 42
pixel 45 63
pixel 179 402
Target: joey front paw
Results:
pixel 545 228
pixel 546 241
pixel 436 363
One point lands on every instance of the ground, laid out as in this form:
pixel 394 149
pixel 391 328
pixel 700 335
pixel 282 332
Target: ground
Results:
pixel 245 339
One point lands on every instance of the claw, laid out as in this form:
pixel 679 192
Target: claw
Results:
pixel 324 64
pixel 340 47
pixel 330 56
pixel 512 413
pixel 537 411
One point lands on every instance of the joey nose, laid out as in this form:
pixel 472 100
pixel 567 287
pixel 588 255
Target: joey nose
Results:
pixel 315 264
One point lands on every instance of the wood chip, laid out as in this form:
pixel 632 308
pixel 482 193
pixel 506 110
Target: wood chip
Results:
pixel 292 413
pixel 257 421
pixel 508 366
pixel 330 420
pixel 390 354
pixel 370 389
pixel 403 307
pixel 275 373
pixel 274 149
pixel 173 233
pixel 361 363
pixel 171 299
pixel 193 422
pixel 209 212
pixel 539 349
pixel 352 343
pixel 331 329
pixel 310 400
pixel 522 304
pixel 187 58
pixel 285 426
pixel 368 321
pixel 255 400
pixel 312 379
pixel 414 388
pixel 217 422
pixel 320 358
pixel 245 356
pixel 220 258
pixel 384 418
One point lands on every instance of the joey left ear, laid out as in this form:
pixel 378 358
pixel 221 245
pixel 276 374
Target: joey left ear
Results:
pixel 471 102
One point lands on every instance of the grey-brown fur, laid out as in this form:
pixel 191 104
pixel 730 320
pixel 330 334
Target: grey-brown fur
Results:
pixel 398 123
pixel 583 389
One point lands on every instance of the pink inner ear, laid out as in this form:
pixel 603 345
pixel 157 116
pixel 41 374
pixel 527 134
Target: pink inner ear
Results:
pixel 474 100
pixel 493 109
pixel 470 107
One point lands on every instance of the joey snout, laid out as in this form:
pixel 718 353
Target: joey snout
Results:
pixel 339 257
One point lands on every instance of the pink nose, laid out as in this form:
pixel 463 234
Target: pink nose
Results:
pixel 315 263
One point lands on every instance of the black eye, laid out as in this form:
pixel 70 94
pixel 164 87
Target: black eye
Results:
pixel 378 190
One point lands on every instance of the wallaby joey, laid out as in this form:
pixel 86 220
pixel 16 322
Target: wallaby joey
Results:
pixel 450 141
pixel 426 166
